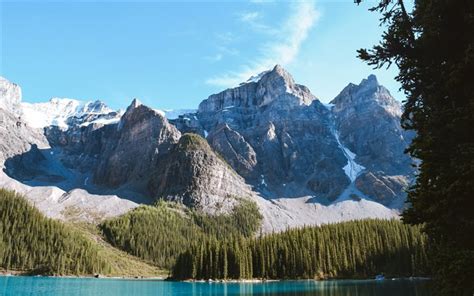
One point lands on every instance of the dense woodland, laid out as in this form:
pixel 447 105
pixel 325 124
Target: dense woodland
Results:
pixel 196 245
pixel 346 250
pixel 31 242
pixel 431 42
pixel 161 232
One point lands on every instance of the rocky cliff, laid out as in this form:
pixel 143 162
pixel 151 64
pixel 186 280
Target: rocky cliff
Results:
pixel 193 174
pixel 277 135
pixel 269 139
pixel 367 118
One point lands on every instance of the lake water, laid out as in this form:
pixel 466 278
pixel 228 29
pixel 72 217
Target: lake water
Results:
pixel 105 287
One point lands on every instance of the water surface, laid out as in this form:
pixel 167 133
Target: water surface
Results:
pixel 105 287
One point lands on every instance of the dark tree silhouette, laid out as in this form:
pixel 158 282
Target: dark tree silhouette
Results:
pixel 433 48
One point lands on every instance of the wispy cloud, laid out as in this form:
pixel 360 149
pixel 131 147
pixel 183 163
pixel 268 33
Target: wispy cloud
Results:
pixel 215 58
pixel 249 16
pixel 291 35
pixel 255 21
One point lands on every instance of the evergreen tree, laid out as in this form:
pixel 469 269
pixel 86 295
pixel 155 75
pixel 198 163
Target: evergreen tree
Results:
pixel 433 47
pixel 311 252
pixel 33 243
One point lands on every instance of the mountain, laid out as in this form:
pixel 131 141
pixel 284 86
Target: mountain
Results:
pixel 193 174
pixel 269 140
pixel 367 119
pixel 32 165
pixel 286 143
pixel 10 94
pixel 64 113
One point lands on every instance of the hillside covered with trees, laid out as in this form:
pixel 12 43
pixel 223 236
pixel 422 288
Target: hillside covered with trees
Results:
pixel 356 249
pixel 161 232
pixel 31 242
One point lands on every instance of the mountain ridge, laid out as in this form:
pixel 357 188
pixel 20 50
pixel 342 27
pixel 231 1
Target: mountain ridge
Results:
pixel 287 148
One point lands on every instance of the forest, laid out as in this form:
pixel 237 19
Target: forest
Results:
pixel 355 249
pixel 194 245
pixel 161 232
pixel 39 245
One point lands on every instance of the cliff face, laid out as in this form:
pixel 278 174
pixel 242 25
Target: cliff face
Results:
pixel 269 139
pixel 368 120
pixel 277 135
pixel 193 174
pixel 141 136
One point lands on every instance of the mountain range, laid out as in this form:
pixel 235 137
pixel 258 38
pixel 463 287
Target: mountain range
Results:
pixel 269 140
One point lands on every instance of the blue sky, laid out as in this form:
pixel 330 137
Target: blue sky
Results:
pixel 173 55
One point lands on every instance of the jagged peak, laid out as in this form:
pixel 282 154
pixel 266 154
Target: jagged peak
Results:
pixel 5 80
pixel 278 72
pixel 134 104
pixel 371 81
pixel 368 91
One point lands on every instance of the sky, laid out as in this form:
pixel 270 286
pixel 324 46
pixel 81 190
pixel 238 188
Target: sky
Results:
pixel 173 55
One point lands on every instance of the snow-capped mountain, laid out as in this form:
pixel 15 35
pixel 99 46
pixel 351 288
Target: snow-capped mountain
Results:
pixel 11 96
pixel 60 111
pixel 269 139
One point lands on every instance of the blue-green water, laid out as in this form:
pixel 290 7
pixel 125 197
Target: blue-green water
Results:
pixel 105 287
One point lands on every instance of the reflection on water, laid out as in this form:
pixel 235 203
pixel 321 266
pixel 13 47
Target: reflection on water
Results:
pixel 105 287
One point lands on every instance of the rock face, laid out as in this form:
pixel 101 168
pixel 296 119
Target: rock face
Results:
pixel 29 166
pixel 128 155
pixel 368 120
pixel 193 174
pixel 277 135
pixel 269 139
pixel 10 97
pixel 15 137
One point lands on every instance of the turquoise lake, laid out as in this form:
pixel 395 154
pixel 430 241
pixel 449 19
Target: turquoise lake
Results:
pixel 105 287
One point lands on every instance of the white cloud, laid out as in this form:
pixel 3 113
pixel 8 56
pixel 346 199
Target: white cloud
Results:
pixel 254 20
pixel 292 33
pixel 215 58
pixel 249 16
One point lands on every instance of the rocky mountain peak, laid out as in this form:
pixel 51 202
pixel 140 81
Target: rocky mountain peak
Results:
pixel 134 104
pixel 10 96
pixel 195 175
pixel 279 74
pixel 370 82
pixel 368 94
pixel 96 106
pixel 262 90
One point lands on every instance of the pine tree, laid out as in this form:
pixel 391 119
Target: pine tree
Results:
pixel 433 50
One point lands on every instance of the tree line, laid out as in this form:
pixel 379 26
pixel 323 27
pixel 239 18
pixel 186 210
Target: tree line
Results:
pixel 346 250
pixel 161 232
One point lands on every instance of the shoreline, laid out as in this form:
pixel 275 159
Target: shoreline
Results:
pixel 16 273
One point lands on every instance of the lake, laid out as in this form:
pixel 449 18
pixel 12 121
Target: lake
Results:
pixel 105 287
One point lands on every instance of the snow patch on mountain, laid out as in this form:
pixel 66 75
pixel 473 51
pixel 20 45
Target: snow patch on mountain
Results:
pixel 103 121
pixel 56 111
pixel 256 78
pixel 174 114
pixel 352 169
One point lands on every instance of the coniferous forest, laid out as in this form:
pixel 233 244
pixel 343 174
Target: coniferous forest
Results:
pixel 194 245
pixel 160 233
pixel 31 242
pixel 344 250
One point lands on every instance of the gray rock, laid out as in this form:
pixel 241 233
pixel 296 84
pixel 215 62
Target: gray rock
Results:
pixel 128 155
pixel 368 120
pixel 194 175
pixel 277 135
